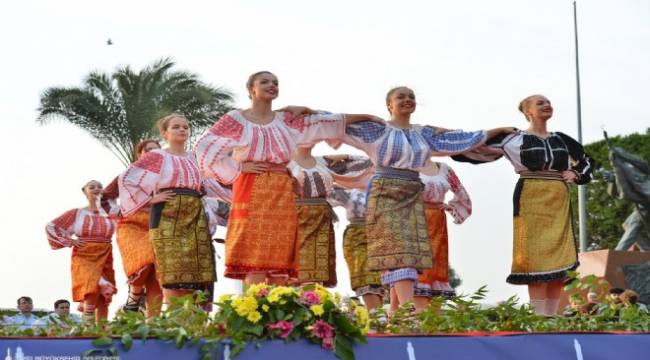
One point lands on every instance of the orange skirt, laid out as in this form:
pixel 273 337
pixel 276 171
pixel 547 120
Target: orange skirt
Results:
pixel 89 263
pixel 262 227
pixel 437 228
pixel 134 244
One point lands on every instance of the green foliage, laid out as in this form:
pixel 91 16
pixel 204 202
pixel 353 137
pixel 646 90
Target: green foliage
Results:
pixel 465 313
pixel 253 318
pixel 120 109
pixel 606 214
pixel 454 279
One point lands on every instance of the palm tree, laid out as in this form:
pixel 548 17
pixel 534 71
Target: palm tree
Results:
pixel 121 109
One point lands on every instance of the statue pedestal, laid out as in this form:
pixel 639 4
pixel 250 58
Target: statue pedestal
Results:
pixel 609 265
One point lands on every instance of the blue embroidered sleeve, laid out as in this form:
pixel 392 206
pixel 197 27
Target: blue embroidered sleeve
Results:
pixel 452 142
pixel 367 131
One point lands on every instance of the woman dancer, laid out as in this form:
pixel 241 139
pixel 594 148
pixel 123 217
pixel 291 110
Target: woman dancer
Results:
pixel 315 181
pixel 170 182
pixel 88 231
pixel 396 226
pixel 251 149
pixel 544 246
pixel 365 283
pixel 438 179
pixel 136 249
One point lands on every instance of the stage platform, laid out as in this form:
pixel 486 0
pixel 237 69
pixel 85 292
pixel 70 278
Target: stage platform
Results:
pixel 556 346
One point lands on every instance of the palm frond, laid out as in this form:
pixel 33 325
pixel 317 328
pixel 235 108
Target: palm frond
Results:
pixel 121 109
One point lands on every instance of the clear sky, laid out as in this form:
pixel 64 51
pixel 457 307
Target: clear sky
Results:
pixel 469 62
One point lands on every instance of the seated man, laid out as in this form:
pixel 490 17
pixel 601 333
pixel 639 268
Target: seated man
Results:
pixel 24 319
pixel 60 316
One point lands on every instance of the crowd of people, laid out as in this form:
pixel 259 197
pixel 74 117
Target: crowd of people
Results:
pixel 593 304
pixel 166 206
pixel 25 318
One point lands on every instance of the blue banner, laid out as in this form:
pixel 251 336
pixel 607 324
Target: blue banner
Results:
pixel 515 347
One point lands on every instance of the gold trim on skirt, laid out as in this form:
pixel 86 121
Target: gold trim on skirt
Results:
pixel 182 245
pixel 544 247
pixel 317 257
pixel 396 226
pixel 355 252
pixel 262 227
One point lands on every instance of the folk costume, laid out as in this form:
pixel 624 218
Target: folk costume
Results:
pixel 263 216
pixel 435 281
pixel 178 229
pixel 544 246
pixel 399 244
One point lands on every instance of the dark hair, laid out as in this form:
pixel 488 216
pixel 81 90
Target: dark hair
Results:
pixel 616 291
pixel 142 144
pixel 630 297
pixel 83 188
pixel 59 302
pixel 27 298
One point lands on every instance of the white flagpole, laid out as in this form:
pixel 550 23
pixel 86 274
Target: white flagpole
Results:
pixel 582 200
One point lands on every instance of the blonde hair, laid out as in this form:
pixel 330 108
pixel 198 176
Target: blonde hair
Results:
pixel 391 92
pixel 163 123
pixel 253 77
pixel 523 105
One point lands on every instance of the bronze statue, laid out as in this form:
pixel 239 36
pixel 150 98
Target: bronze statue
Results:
pixel 630 180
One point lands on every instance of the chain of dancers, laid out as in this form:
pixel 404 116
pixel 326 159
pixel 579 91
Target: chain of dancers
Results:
pixel 166 206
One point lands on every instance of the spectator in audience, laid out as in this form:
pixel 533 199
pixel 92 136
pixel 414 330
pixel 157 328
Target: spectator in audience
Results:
pixel 591 307
pixel 24 319
pixel 614 295
pixel 629 297
pixel 60 316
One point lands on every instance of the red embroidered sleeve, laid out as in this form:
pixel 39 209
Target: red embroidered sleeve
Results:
pixel 60 230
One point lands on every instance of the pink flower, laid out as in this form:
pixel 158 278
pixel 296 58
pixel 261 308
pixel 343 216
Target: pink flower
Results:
pixel 311 298
pixel 322 329
pixel 328 343
pixel 263 292
pixel 284 326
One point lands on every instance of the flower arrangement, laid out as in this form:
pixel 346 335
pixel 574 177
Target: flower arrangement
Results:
pixel 279 312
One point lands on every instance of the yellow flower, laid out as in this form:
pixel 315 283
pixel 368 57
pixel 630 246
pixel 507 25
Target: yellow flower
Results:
pixel 317 309
pixel 225 297
pixel 244 305
pixel 322 292
pixel 265 308
pixel 254 316
pixel 256 289
pixel 276 293
pixel 337 298
pixel 362 319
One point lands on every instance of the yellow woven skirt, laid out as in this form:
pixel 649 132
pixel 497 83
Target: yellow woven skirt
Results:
pixel 317 259
pixel 355 252
pixel 396 225
pixel 544 247
pixel 181 242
